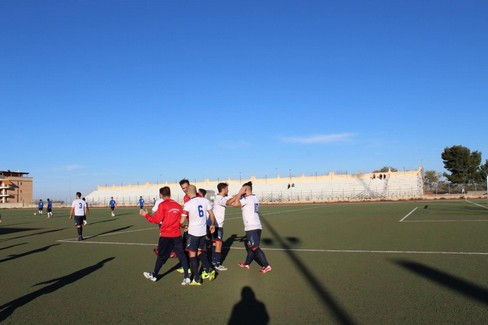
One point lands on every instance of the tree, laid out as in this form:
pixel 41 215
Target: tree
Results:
pixel 385 169
pixel 431 179
pixel 463 165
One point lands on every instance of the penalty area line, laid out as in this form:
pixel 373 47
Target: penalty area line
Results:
pixel 408 214
pixel 477 204
pixel 345 251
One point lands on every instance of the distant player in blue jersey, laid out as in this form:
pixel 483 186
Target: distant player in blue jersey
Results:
pixel 40 206
pixel 141 202
pixel 49 208
pixel 112 205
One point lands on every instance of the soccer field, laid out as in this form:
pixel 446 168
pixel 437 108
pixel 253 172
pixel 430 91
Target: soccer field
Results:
pixel 376 263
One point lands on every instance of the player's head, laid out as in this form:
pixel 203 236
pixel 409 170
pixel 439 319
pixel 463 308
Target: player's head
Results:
pixel 78 195
pixel 248 187
pixel 40 200
pixel 165 192
pixel 191 191
pixel 202 192
pixel 83 199
pixel 47 200
pixel 140 196
pixel 184 183
pixel 223 188
pixel 112 197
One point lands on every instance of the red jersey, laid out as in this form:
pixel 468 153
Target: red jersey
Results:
pixel 186 198
pixel 169 214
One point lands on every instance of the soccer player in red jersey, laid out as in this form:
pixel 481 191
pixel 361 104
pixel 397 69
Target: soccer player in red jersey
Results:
pixel 168 215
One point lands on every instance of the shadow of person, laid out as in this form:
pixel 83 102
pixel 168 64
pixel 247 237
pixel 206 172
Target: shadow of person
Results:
pixel 8 308
pixel 249 310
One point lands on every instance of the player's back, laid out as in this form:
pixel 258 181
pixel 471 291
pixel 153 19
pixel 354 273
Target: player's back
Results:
pixel 196 210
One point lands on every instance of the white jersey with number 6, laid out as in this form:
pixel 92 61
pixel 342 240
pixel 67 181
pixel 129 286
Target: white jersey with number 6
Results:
pixel 196 210
pixel 250 213
pixel 79 206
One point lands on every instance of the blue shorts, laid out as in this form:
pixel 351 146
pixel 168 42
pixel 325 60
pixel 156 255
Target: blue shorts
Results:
pixel 218 234
pixel 79 220
pixel 253 238
pixel 195 243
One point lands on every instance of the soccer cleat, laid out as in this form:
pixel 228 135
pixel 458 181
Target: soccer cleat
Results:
pixel 244 266
pixel 265 269
pixel 205 275
pixel 186 281
pixel 181 270
pixel 84 222
pixel 211 275
pixel 220 268
pixel 195 283
pixel 80 238
pixel 150 276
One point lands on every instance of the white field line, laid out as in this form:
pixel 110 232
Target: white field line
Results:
pixel 446 221
pixel 350 251
pixel 477 204
pixel 408 214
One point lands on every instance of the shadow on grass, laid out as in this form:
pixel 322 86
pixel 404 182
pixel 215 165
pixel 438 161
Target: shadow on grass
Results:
pixel 7 309
pixel 227 244
pixel 327 300
pixel 35 234
pixel 249 310
pixel 112 231
pixel 6 230
pixel 1 249
pixel 449 281
pixel 94 223
pixel 15 256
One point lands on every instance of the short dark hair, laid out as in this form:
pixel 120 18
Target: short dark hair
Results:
pixel 165 191
pixel 248 184
pixel 78 194
pixel 221 186
pixel 202 191
pixel 184 181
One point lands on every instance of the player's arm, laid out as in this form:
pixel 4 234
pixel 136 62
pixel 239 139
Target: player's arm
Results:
pixel 237 202
pixel 156 219
pixel 184 218
pixel 212 221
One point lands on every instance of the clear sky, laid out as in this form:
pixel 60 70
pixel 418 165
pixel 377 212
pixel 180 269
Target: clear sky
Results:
pixel 110 92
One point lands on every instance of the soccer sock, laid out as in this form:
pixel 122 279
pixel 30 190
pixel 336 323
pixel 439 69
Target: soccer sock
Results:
pixel 206 265
pixel 250 257
pixel 80 230
pixel 194 268
pixel 217 257
pixel 214 256
pixel 261 257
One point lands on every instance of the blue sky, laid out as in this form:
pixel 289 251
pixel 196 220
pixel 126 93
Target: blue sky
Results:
pixel 111 92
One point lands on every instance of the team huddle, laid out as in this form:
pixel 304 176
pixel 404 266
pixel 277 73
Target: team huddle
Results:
pixel 198 218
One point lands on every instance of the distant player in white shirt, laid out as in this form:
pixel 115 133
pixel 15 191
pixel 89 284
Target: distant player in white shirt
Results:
pixel 197 209
pixel 78 208
pixel 219 206
pixel 249 205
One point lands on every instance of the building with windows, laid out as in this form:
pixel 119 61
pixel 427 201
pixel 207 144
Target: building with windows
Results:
pixel 15 188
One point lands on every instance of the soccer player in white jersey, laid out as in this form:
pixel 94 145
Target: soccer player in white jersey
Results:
pixel 249 205
pixel 78 208
pixel 219 206
pixel 196 210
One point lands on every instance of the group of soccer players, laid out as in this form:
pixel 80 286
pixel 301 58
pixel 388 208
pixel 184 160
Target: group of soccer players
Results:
pixel 199 218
